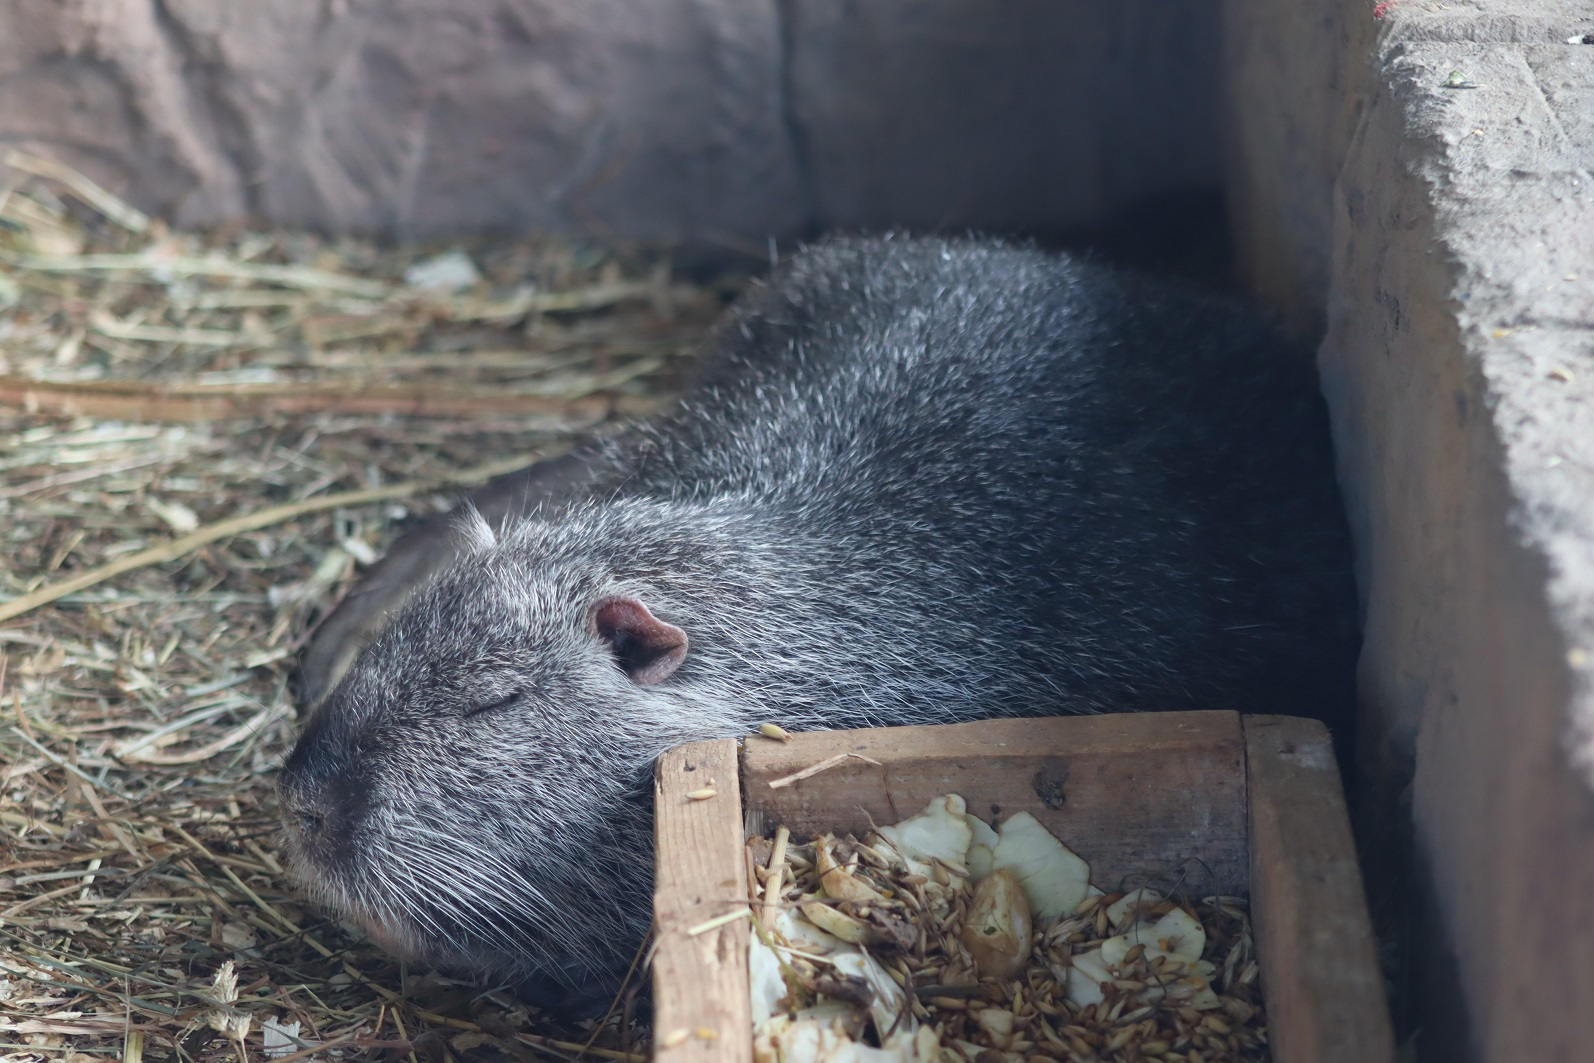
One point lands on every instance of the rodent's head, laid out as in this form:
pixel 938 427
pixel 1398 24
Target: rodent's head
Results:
pixel 475 791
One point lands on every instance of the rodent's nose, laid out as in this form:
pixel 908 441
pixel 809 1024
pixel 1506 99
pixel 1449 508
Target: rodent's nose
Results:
pixel 315 797
pixel 297 819
pixel 304 809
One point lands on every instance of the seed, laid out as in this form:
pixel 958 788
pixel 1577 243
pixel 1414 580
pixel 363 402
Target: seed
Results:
pixel 675 1038
pixel 1119 1039
pixel 702 795
pixel 775 731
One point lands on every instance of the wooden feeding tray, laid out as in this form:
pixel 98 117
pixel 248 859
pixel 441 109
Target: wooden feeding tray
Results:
pixel 1254 801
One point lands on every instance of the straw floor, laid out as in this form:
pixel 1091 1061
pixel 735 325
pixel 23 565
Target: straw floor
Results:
pixel 203 438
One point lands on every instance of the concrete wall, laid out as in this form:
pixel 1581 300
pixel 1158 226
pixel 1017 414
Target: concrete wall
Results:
pixel 704 121
pixel 1448 232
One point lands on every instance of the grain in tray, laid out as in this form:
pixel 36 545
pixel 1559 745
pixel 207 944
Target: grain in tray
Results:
pixel 940 938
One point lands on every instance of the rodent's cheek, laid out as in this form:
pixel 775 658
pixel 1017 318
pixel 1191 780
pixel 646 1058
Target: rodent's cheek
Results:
pixel 383 936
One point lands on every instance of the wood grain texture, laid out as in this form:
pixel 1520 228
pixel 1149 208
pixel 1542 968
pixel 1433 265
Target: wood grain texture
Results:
pixel 1320 974
pixel 699 982
pixel 1134 793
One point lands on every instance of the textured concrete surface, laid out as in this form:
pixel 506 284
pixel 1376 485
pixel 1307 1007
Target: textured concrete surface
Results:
pixel 413 116
pixel 1291 79
pixel 1459 365
pixel 705 121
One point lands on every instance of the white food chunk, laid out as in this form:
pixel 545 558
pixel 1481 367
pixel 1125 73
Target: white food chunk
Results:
pixel 939 833
pixel 981 846
pixel 823 1040
pixel 1180 936
pixel 1177 936
pixel 836 1012
pixel 1053 876
pixel 1128 908
pixel 768 980
pixel 1085 979
pixel 998 1026
pixel 889 1010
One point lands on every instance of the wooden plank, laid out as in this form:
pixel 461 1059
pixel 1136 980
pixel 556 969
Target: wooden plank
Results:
pixel 1133 793
pixel 1324 992
pixel 700 997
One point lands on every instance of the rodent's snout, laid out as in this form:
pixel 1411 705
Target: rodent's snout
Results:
pixel 302 813
pixel 320 799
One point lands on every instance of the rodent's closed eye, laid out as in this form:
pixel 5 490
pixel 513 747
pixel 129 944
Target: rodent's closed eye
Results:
pixel 492 706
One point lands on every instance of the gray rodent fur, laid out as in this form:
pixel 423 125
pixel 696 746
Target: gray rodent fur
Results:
pixel 921 481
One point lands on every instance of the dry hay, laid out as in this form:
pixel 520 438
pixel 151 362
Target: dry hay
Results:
pixel 239 420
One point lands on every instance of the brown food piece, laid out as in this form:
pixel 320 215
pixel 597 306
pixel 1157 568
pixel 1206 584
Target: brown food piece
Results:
pixel 997 933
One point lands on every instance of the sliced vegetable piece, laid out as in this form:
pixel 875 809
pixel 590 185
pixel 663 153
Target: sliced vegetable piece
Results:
pixel 1177 936
pixel 982 844
pixel 1053 876
pixel 889 1010
pixel 1129 908
pixel 1085 979
pixel 768 980
pixel 939 833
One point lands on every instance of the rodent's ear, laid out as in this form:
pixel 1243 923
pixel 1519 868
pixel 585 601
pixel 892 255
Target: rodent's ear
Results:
pixel 645 647
pixel 471 530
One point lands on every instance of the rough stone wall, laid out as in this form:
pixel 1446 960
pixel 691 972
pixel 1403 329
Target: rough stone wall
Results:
pixel 703 121
pixel 1459 367
pixel 1292 74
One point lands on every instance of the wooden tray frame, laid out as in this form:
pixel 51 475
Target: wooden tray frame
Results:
pixel 1255 802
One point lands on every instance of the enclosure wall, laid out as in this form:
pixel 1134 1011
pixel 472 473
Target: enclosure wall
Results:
pixel 1422 178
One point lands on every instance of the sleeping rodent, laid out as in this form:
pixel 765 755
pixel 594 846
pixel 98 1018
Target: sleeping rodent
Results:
pixel 920 481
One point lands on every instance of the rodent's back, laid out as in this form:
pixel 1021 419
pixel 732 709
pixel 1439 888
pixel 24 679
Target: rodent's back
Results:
pixel 1131 480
